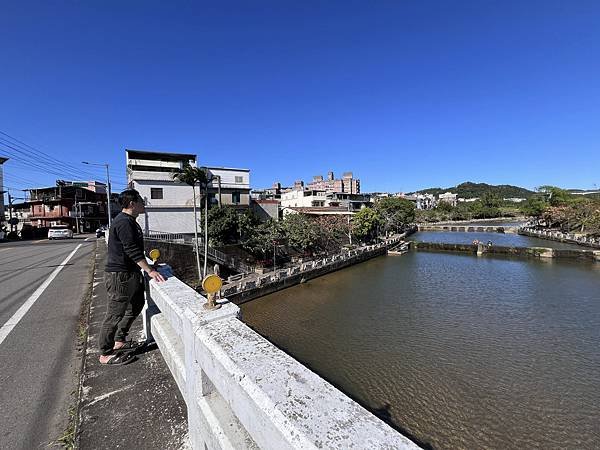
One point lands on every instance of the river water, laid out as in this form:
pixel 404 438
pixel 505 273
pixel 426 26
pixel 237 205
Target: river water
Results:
pixel 453 350
pixel 504 239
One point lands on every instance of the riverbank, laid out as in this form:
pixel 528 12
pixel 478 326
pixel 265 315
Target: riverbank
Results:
pixel 523 252
pixel 519 219
pixel 558 236
pixel 253 286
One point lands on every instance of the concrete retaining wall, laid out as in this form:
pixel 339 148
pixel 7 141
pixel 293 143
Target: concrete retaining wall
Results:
pixel 285 278
pixel 248 287
pixel 554 235
pixel 180 257
pixel 524 252
pixel 470 228
pixel 242 392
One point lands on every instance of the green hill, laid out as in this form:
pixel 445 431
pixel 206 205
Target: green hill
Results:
pixel 475 190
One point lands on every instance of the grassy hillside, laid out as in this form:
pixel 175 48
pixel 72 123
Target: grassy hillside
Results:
pixel 475 190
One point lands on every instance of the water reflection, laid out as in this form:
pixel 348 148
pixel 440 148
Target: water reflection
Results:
pixel 457 351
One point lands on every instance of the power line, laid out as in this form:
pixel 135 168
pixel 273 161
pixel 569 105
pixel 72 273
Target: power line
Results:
pixel 43 155
pixel 22 150
pixel 30 162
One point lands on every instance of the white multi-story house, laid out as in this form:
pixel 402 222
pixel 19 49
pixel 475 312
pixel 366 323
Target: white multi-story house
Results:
pixel 448 197
pixel 229 186
pixel 320 202
pixel 303 198
pixel 169 203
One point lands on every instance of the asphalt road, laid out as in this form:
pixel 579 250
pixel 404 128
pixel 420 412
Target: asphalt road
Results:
pixel 38 356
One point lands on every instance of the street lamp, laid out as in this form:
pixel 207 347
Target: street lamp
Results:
pixel 107 185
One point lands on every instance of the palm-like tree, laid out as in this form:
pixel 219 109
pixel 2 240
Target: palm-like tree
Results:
pixel 194 176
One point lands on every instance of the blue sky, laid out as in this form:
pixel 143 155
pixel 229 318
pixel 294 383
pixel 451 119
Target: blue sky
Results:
pixel 405 94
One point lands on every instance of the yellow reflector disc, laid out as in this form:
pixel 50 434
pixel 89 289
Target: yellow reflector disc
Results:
pixel 154 254
pixel 212 283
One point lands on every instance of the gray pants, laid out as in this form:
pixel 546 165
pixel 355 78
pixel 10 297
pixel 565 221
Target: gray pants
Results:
pixel 125 300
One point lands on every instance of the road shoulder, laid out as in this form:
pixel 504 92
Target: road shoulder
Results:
pixel 133 406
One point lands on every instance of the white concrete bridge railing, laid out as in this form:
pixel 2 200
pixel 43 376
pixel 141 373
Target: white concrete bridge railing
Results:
pixel 243 392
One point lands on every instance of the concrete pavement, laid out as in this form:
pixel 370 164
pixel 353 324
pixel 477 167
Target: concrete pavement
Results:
pixel 136 406
pixel 38 336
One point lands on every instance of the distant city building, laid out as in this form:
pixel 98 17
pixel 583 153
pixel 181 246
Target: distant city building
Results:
pixel 319 202
pixel 272 193
pixel 448 197
pixel 515 199
pixel 421 201
pixel 347 184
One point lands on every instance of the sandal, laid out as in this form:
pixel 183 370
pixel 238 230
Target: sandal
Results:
pixel 130 345
pixel 120 359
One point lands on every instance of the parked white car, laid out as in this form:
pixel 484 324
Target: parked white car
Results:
pixel 60 233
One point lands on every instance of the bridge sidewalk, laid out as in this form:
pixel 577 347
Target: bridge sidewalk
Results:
pixel 133 406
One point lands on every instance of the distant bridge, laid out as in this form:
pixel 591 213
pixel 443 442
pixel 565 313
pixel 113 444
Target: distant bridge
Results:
pixel 470 228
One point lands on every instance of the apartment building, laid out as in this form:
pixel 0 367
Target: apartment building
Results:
pixel 319 202
pixel 347 184
pixel 448 197
pixel 169 203
pixel 63 204
pixel 229 187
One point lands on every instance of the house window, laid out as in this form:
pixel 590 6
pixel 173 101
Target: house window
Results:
pixel 239 179
pixel 235 197
pixel 156 193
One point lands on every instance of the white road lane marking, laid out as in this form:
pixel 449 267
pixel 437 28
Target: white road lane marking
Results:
pixel 16 318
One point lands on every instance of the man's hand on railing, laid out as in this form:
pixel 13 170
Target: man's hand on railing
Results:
pixel 151 271
pixel 156 276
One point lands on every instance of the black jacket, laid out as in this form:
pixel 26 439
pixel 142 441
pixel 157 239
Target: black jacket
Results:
pixel 125 244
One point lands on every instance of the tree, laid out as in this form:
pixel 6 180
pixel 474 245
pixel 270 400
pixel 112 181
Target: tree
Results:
pixel 301 232
pixel 556 196
pixel 193 176
pixel 534 206
pixel 333 232
pixel 261 239
pixel 395 213
pixel 462 211
pixel 365 224
pixel 246 223
pixel 484 211
pixel 490 200
pixel 223 225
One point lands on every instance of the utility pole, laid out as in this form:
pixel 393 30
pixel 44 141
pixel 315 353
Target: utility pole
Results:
pixel 105 165
pixel 10 221
pixel 77 215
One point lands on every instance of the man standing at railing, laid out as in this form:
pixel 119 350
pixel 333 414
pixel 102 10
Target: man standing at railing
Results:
pixel 124 281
